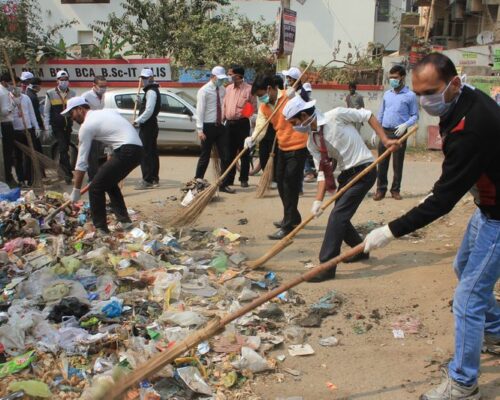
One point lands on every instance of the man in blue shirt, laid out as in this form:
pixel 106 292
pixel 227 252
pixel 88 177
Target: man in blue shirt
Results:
pixel 399 111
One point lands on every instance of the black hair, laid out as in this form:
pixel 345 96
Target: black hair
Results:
pixel 352 85
pixel 5 77
pixel 262 82
pixel 99 78
pixel 309 111
pixel 36 81
pixel 303 93
pixel 238 70
pixel 87 106
pixel 444 66
pixel 398 69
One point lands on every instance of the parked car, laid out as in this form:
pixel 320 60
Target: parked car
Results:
pixel 176 120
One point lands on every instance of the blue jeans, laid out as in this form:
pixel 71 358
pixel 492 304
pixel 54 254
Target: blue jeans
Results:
pixel 475 309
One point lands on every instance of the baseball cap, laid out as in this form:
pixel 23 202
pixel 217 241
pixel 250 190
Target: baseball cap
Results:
pixel 61 74
pixel 26 75
pixel 292 73
pixel 219 72
pixel 74 102
pixel 307 87
pixel 296 105
pixel 147 73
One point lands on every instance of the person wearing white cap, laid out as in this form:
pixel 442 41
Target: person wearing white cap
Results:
pixel 26 78
pixel 6 128
pixel 111 129
pixel 209 123
pixel 148 131
pixel 55 102
pixel 293 75
pixel 333 135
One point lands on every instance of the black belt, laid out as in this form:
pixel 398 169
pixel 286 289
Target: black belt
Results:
pixel 235 121
pixel 354 170
pixel 212 124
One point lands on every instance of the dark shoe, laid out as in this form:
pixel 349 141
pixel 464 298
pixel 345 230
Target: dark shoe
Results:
pixel 12 184
pixel 278 224
pixel 278 235
pixel 227 189
pixel 396 196
pixel 379 196
pixel 144 185
pixel 357 257
pixel 156 184
pixel 102 233
pixel 491 344
pixel 244 184
pixel 324 276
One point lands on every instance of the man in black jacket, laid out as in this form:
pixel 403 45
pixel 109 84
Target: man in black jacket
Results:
pixel 469 126
pixel 148 131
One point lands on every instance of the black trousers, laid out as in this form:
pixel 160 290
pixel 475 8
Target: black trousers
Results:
pixel 265 148
pixel 121 163
pixel 289 175
pixel 339 228
pixel 96 158
pixel 398 158
pixel 216 134
pixel 23 162
pixel 238 131
pixel 150 163
pixel 63 137
pixel 8 149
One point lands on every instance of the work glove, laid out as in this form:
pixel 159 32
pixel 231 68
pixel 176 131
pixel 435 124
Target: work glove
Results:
pixel 316 208
pixel 400 130
pixel 377 238
pixel 373 139
pixel 290 93
pixel 248 144
pixel 38 133
pixel 75 195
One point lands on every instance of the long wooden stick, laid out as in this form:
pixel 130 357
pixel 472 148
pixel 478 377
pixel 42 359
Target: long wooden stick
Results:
pixel 64 205
pixel 158 361
pixel 136 97
pixel 288 239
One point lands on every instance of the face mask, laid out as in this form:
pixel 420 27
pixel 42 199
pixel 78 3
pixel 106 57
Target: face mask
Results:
pixel 264 99
pixel 305 127
pixel 434 104
pixel 394 83
pixel 10 88
pixel 63 85
pixel 100 91
pixel 230 79
pixel 352 91
pixel 219 82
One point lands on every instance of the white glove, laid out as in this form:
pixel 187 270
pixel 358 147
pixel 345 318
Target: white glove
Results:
pixel 38 133
pixel 373 139
pixel 46 134
pixel 316 208
pixel 400 129
pixel 379 237
pixel 290 93
pixel 75 195
pixel 248 144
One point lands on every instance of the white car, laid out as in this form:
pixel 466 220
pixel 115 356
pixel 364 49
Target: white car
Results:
pixel 176 120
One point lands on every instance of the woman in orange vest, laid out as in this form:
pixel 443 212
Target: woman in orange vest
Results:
pixel 292 149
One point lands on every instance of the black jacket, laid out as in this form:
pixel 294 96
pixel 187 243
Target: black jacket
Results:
pixel 471 147
pixel 154 87
pixel 36 106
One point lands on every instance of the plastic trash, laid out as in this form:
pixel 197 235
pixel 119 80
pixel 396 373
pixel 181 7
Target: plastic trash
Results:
pixel 17 364
pixel 105 287
pixel 219 263
pixel 56 291
pixel 295 334
pixel 11 195
pixel 188 198
pixel 300 350
pixel 113 309
pixel 183 318
pixel 167 286
pixel 193 380
pixel 247 295
pixel 251 360
pixel 31 388
pixel 329 341
pixel 67 307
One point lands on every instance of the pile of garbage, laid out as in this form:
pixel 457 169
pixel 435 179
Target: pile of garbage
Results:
pixel 74 306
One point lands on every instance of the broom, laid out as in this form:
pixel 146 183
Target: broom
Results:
pixel 216 162
pixel 288 239
pixel 216 325
pixel 51 216
pixel 51 167
pixel 191 213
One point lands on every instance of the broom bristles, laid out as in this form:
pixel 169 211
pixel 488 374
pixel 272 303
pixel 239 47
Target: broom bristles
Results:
pixel 46 163
pixel 190 214
pixel 216 164
pixel 266 178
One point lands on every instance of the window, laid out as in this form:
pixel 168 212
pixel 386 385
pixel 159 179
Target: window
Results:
pixel 171 105
pixel 126 101
pixel 383 10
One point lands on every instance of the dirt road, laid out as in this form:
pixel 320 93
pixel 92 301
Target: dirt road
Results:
pixel 412 276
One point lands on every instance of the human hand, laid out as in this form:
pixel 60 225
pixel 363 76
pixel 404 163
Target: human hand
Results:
pixel 316 208
pixel 75 195
pixel 290 93
pixel 201 136
pixel 400 129
pixel 248 144
pixel 377 238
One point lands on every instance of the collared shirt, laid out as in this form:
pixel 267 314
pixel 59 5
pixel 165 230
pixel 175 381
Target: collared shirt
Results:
pixel 6 106
pixel 342 140
pixel 95 102
pixel 206 105
pixel 236 98
pixel 24 104
pixel 398 108
pixel 355 101
pixel 109 128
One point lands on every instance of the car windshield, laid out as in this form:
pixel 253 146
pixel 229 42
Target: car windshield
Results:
pixel 187 98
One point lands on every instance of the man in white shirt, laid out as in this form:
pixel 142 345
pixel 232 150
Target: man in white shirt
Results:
pixel 95 98
pixel 110 128
pixel 209 119
pixel 7 130
pixel 334 135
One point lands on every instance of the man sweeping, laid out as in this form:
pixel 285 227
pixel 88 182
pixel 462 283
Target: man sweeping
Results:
pixel 333 135
pixel 111 129
pixel 469 126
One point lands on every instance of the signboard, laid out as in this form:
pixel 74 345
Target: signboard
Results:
pixel 488 84
pixel 468 58
pixel 496 60
pixel 112 70
pixel 289 20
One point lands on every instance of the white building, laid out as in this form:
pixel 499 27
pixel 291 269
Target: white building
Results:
pixel 320 23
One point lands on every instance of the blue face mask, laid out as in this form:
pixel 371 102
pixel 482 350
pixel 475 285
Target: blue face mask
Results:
pixel 264 99
pixel 394 83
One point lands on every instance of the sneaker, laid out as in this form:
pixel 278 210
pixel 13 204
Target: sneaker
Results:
pixel 310 178
pixel 491 345
pixel 144 186
pixel 124 226
pixel 358 257
pixel 102 233
pixel 379 196
pixel 274 185
pixel 396 196
pixel 448 389
pixel 244 184
pixel 227 189
pixel 156 184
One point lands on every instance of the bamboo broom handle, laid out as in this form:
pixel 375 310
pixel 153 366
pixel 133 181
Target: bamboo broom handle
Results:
pixel 64 205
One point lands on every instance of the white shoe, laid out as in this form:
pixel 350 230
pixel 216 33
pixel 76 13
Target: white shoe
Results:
pixel 274 185
pixel 491 345
pixel 448 389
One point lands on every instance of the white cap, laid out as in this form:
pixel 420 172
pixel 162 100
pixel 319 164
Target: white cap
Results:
pixel 74 102
pixel 293 73
pixel 61 74
pixel 147 73
pixel 296 105
pixel 219 72
pixel 26 75
pixel 307 87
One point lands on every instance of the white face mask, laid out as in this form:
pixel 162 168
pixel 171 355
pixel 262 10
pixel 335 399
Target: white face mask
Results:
pixel 435 104
pixel 63 85
pixel 100 91
pixel 305 127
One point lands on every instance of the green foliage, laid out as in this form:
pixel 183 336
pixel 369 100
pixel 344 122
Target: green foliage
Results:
pixel 109 45
pixel 190 33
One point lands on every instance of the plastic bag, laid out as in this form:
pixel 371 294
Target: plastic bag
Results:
pixel 165 281
pixel 31 388
pixel 105 287
pixel 251 360
pixel 17 364
pixel 183 318
pixel 219 263
pixel 11 195
pixel 113 309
